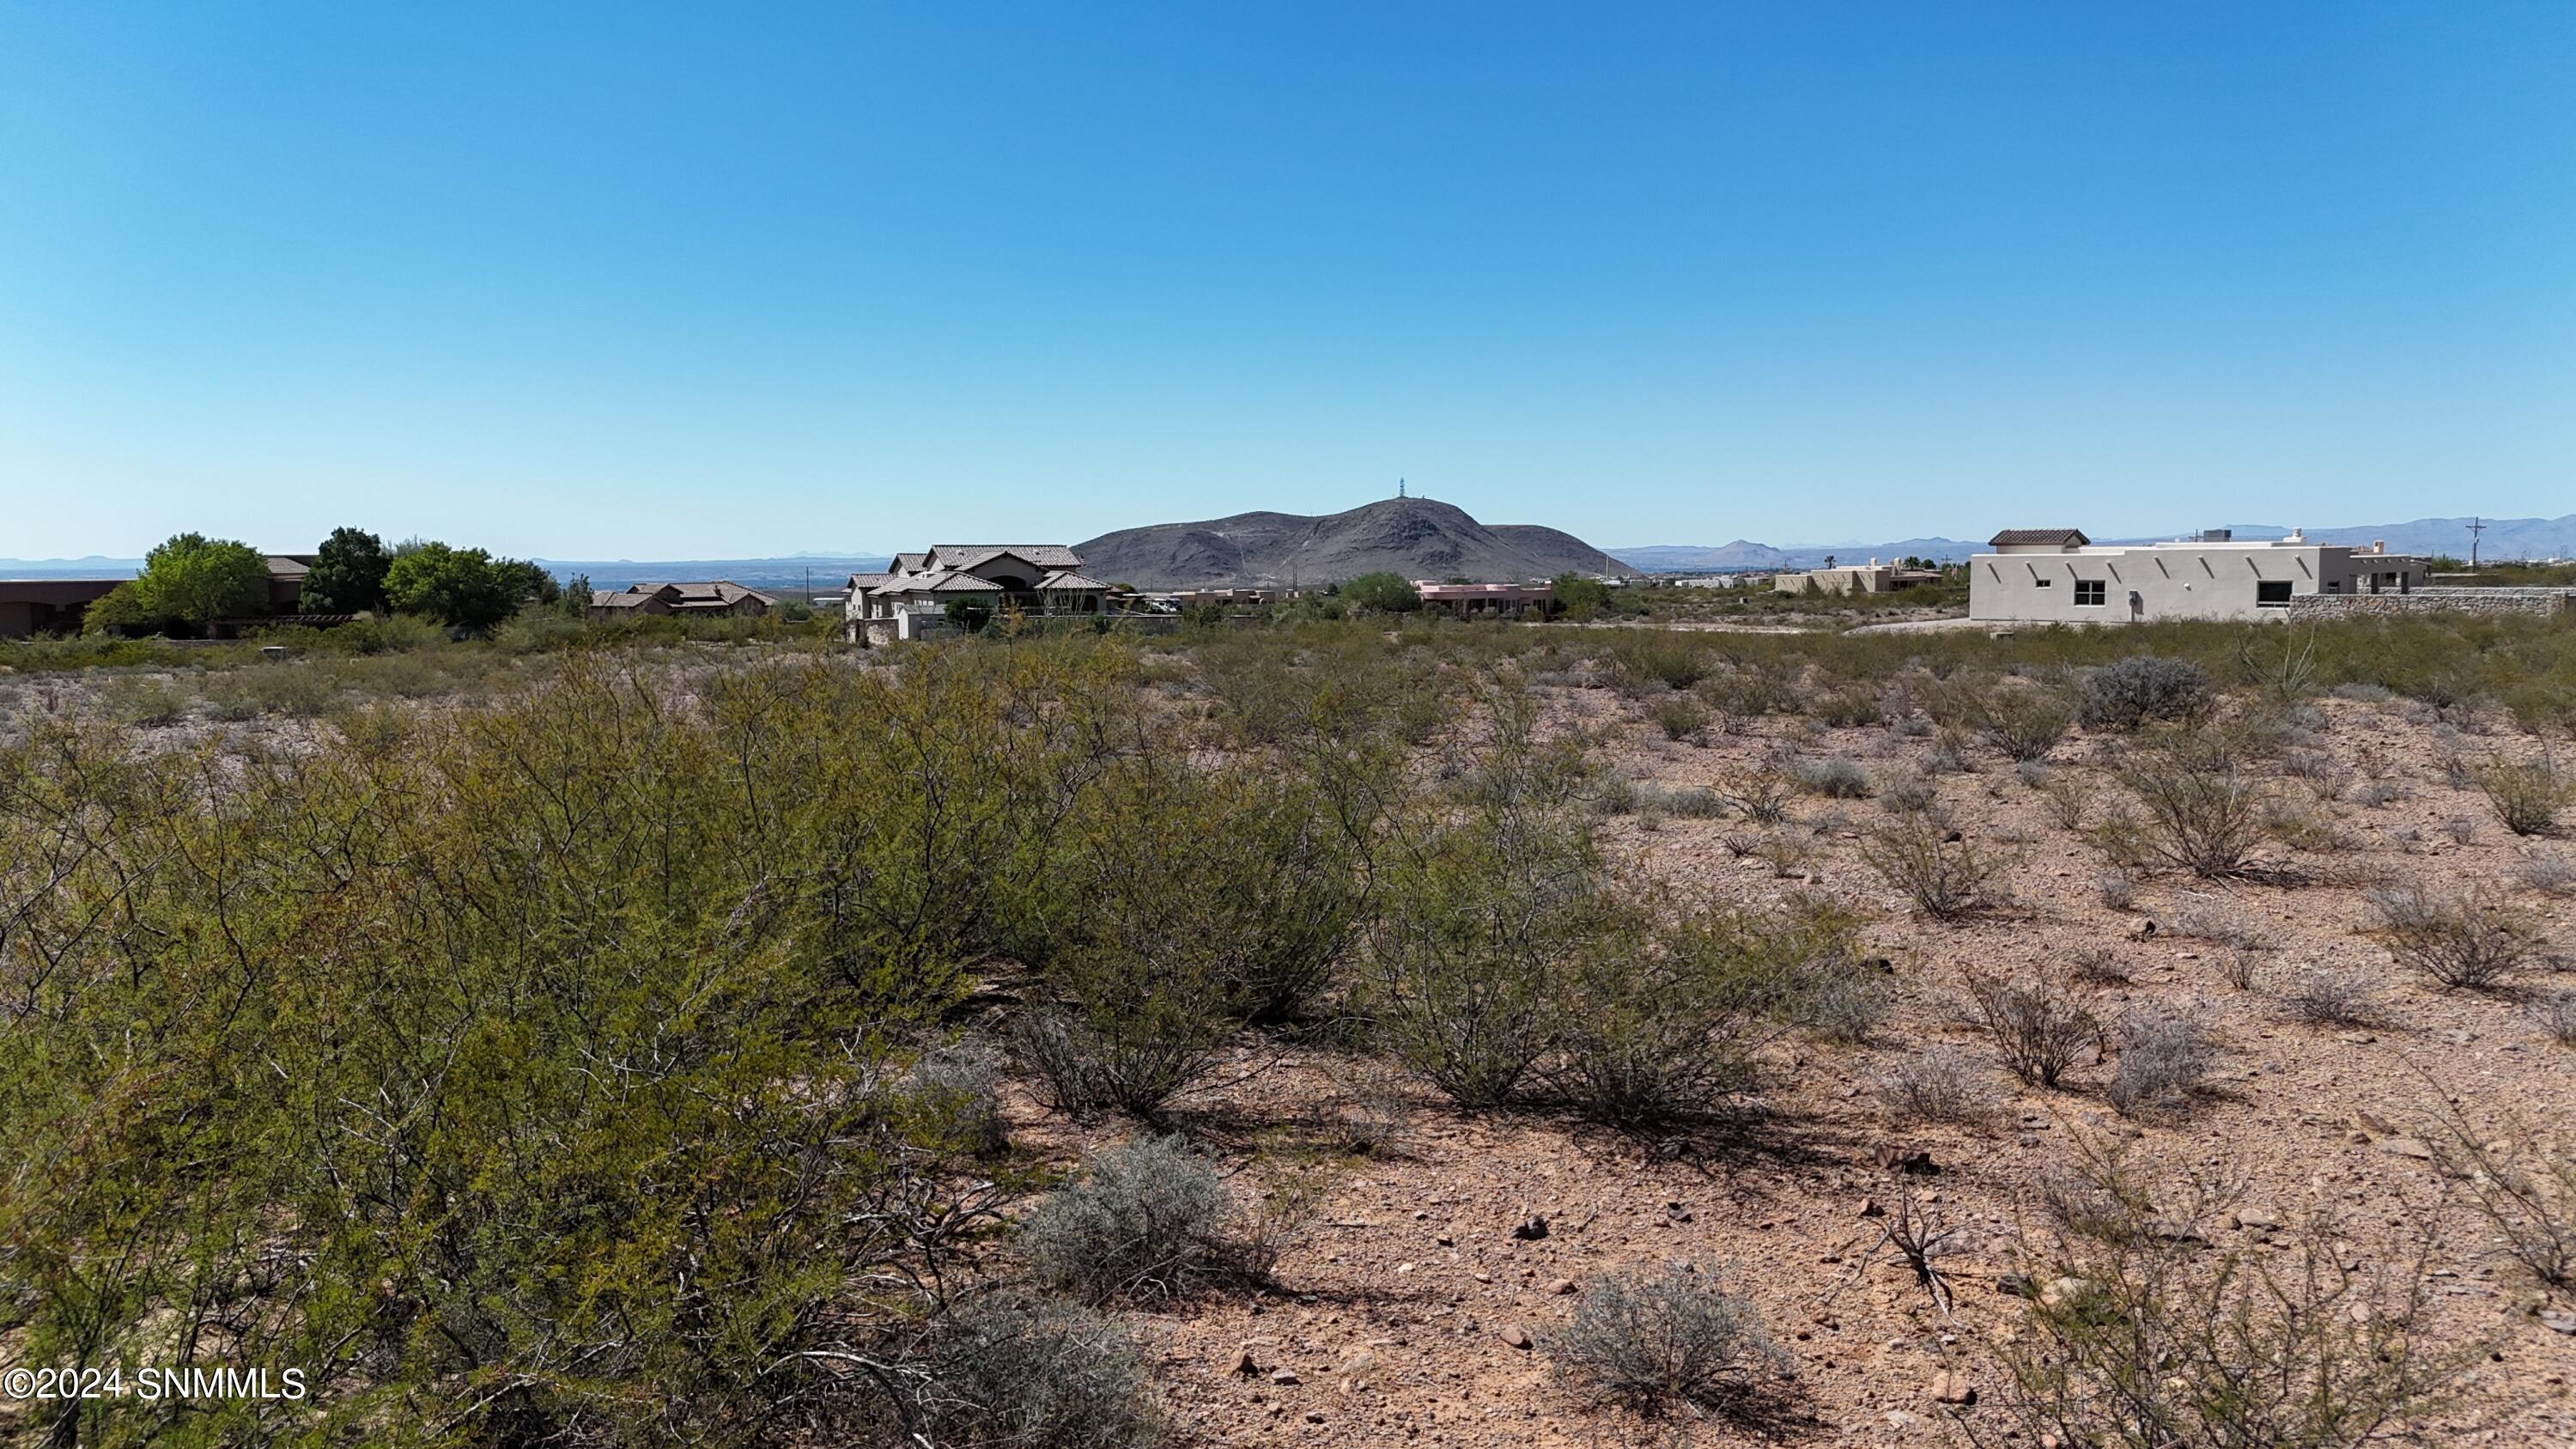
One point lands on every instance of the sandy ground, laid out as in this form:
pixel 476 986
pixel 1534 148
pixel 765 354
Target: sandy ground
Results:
pixel 1402 1302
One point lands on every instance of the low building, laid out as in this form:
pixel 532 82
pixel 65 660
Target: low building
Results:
pixel 29 607
pixel 912 598
pixel 1464 600
pixel 1869 578
pixel 698 599
pixel 2057 575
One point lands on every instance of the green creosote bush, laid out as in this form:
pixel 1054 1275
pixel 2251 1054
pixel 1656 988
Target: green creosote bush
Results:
pixel 2025 722
pixel 2140 1335
pixel 1652 1024
pixel 2204 807
pixel 1946 879
pixel 525 1058
pixel 2040 1030
pixel 1680 716
pixel 2471 943
pixel 2528 795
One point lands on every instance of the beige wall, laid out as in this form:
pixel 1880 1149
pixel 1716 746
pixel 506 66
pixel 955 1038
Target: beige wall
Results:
pixel 2166 582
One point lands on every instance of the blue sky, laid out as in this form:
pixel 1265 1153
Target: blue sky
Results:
pixel 641 280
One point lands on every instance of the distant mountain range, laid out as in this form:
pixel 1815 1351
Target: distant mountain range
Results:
pixel 2505 538
pixel 1420 538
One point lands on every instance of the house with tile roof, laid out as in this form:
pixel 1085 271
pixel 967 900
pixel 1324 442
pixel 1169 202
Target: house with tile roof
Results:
pixel 913 596
pixel 700 599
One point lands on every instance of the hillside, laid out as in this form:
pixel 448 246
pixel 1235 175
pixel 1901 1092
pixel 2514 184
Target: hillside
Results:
pixel 1419 538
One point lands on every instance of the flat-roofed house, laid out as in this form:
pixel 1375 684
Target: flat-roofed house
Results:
pixel 2057 575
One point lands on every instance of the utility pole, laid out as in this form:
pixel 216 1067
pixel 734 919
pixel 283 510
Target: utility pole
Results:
pixel 2476 527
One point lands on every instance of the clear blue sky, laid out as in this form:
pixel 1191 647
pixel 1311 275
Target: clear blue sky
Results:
pixel 718 280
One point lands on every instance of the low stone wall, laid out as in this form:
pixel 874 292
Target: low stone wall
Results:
pixel 2434 600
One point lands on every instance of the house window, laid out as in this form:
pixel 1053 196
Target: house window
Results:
pixel 2091 591
pixel 2272 594
pixel 2044 583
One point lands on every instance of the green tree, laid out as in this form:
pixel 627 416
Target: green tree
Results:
pixel 189 581
pixel 534 584
pixel 970 615
pixel 1382 593
pixel 348 574
pixel 1581 596
pixel 463 588
pixel 123 610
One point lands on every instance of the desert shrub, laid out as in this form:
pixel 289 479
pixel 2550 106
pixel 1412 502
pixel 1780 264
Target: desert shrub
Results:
pixel 1946 878
pixel 2204 807
pixel 2467 942
pixel 1744 692
pixel 1367 1110
pixel 1640 658
pixel 525 1059
pixel 2097 966
pixel 2556 1015
pixel 1850 708
pixel 1146 1220
pixel 1949 754
pixel 2323 997
pixel 2524 1185
pixel 2550 875
pixel 298 690
pixel 1470 924
pixel 2527 795
pixel 1761 796
pixel 2128 692
pixel 1131 1048
pixel 2067 796
pixel 2372 794
pixel 1690 802
pixel 958 1087
pixel 2117 888
pixel 1672 1342
pixel 2025 722
pixel 2210 920
pixel 2039 1029
pixel 1850 1007
pixel 2143 1337
pixel 2163 1058
pixel 1906 791
pixel 1789 851
pixel 1015 1373
pixel 2462 829
pixel 1680 716
pixel 1836 778
pixel 1203 896
pixel 1938 1084
pixel 1651 1023
pixel 151 702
